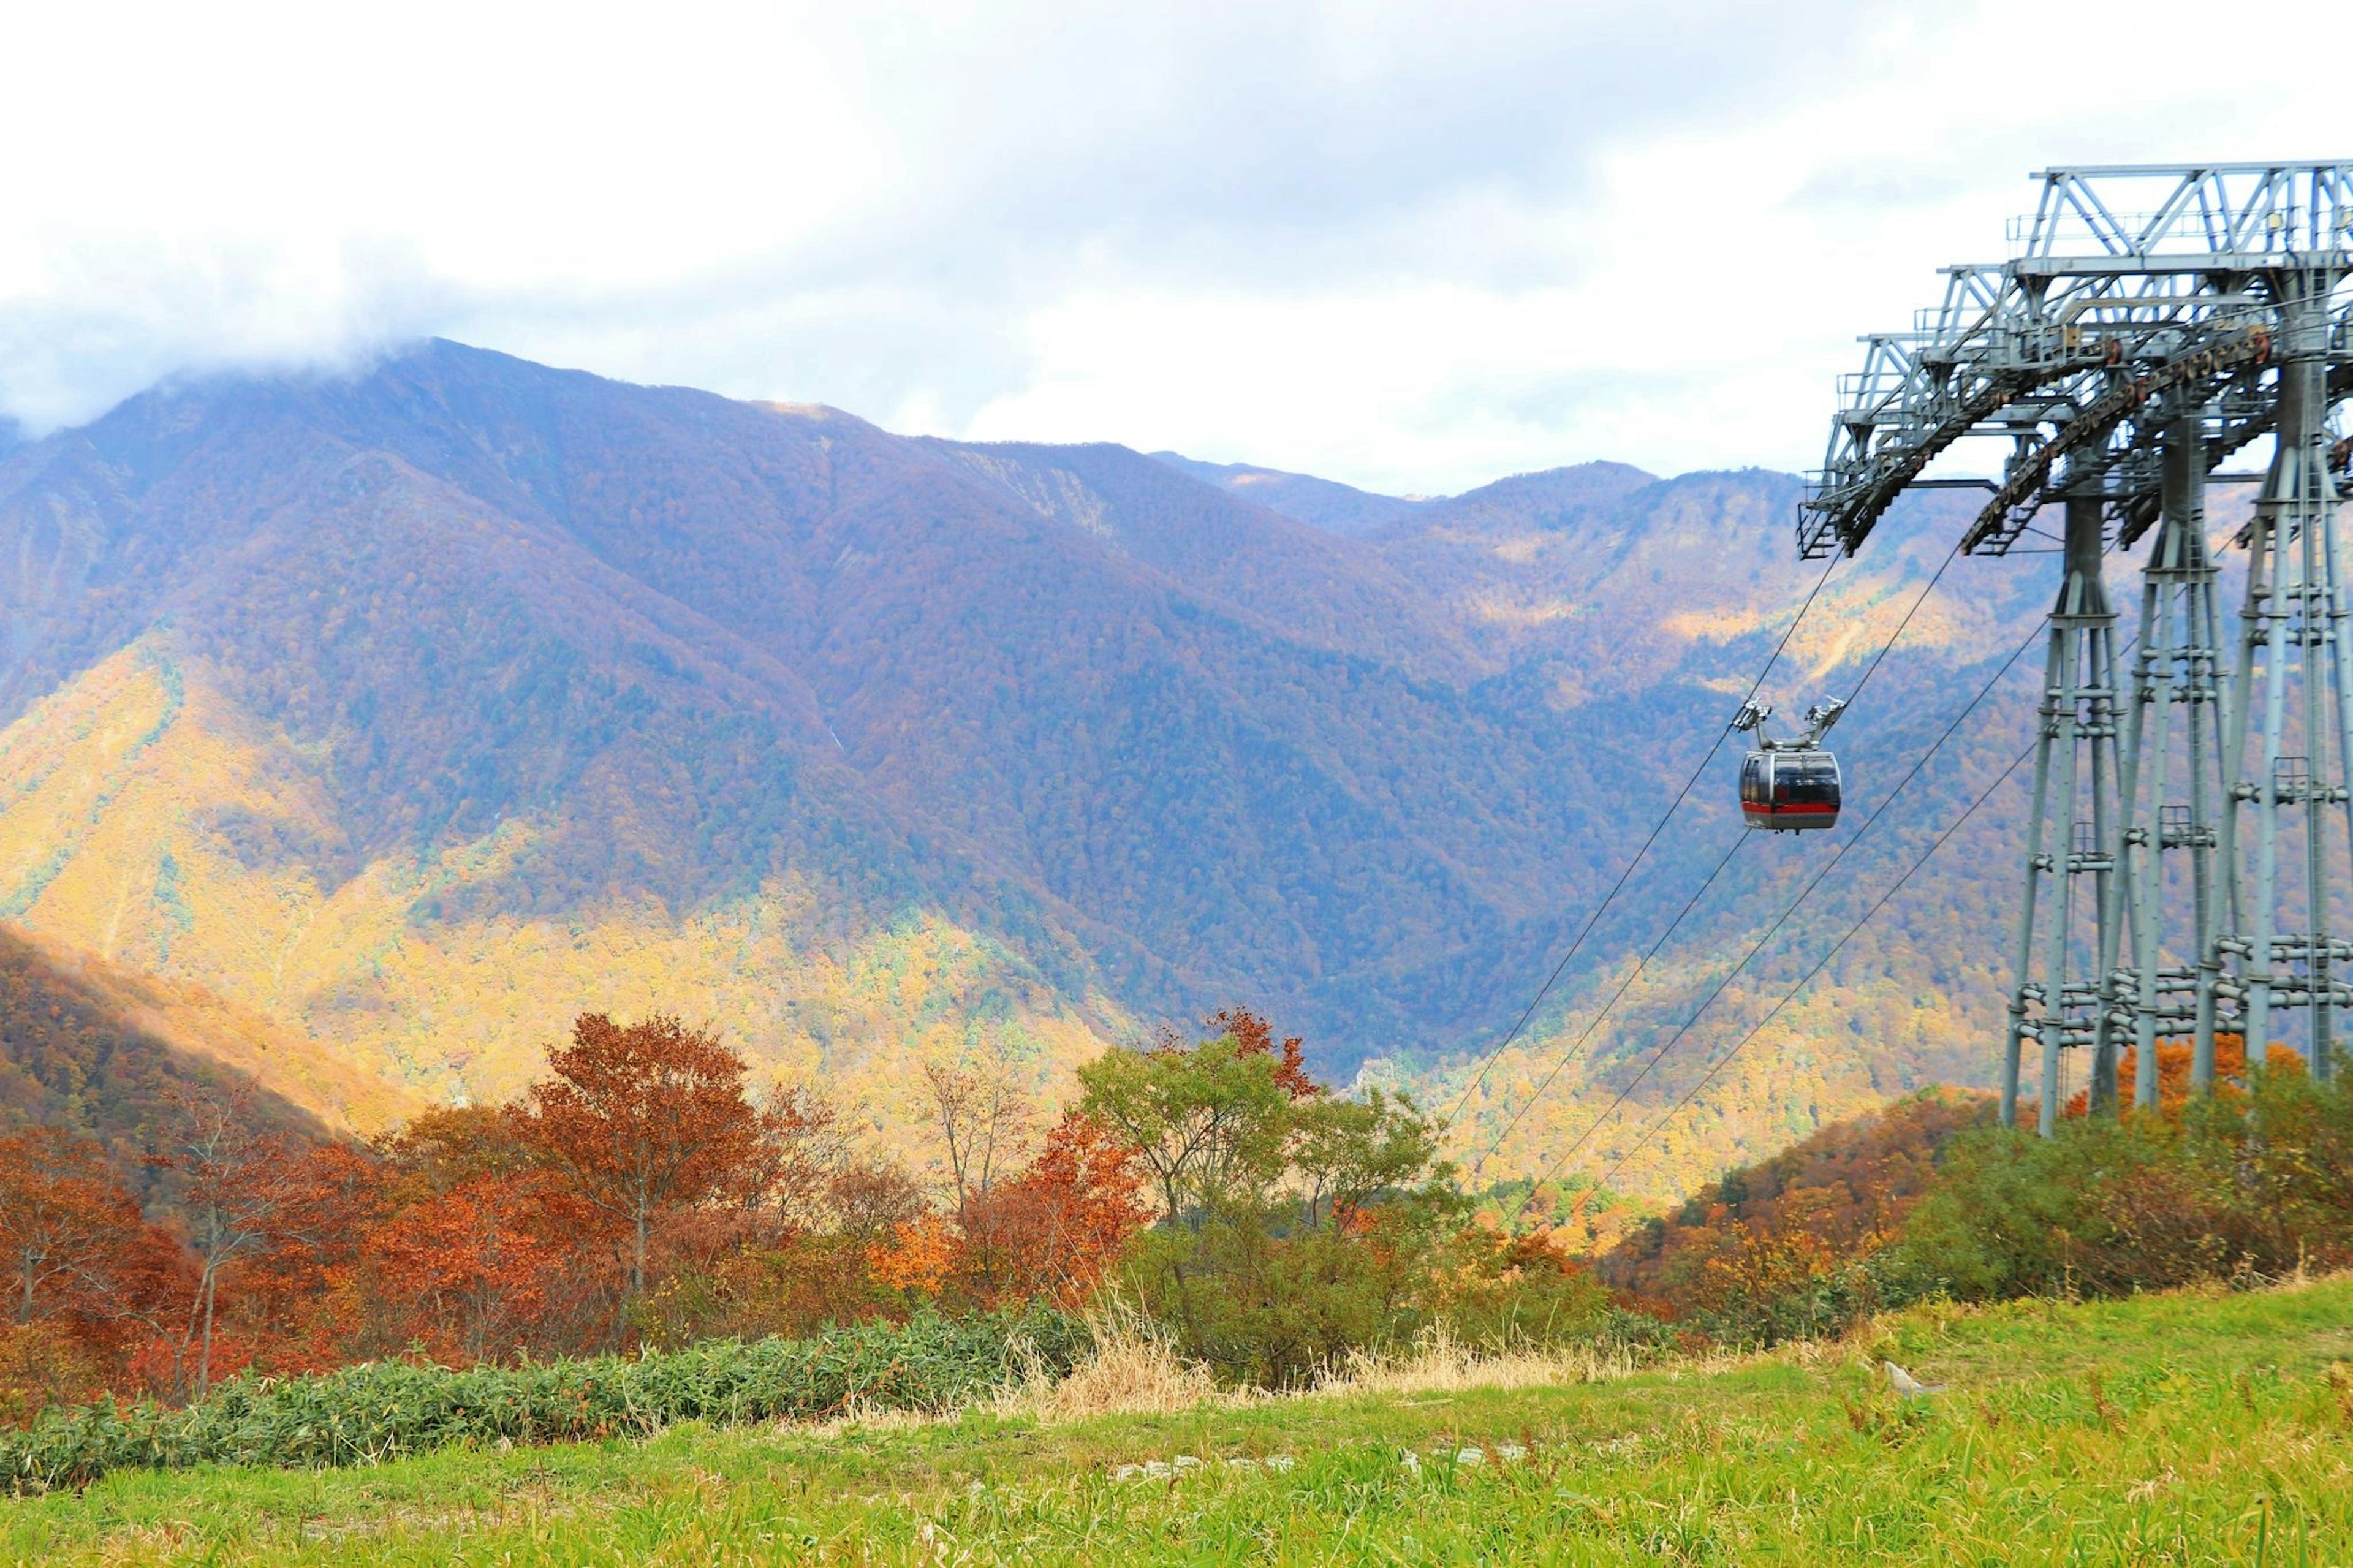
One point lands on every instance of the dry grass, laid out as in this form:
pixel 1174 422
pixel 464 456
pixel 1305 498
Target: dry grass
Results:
pixel 1132 1370
pixel 1438 1363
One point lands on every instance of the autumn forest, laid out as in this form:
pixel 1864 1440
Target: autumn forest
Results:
pixel 534 908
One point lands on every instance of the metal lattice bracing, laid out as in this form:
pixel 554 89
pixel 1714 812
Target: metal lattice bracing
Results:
pixel 2150 323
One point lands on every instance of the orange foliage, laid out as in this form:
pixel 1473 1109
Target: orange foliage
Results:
pixel 1796 1218
pixel 640 1120
pixel 919 1256
pixel 67 1228
pixel 1053 1231
pixel 473 1265
pixel 2173 1064
pixel 636 1193
pixel 87 1280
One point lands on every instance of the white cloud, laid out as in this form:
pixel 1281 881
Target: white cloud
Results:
pixel 1408 245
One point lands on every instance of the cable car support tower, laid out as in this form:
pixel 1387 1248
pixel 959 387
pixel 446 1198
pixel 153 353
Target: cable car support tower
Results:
pixel 2153 321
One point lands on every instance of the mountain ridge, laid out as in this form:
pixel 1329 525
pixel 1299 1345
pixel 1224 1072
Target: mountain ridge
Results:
pixel 463 679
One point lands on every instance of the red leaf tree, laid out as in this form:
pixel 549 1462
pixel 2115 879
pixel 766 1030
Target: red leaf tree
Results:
pixel 641 1121
pixel 1052 1231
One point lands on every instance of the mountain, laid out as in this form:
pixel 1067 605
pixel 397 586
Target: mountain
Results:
pixel 110 1055
pixel 411 712
pixel 1326 503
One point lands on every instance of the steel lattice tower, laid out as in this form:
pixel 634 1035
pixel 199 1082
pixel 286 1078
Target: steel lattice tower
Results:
pixel 2154 322
pixel 2290 637
pixel 2172 783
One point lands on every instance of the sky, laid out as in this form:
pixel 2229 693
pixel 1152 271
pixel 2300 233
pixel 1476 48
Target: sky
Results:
pixel 1411 246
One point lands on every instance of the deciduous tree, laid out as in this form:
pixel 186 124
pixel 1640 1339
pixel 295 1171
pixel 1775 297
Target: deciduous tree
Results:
pixel 237 1190
pixel 1211 1123
pixel 641 1120
pixel 982 1116
pixel 63 1220
pixel 1054 1229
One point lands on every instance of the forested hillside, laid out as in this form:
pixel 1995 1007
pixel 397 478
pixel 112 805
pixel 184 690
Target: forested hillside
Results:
pixel 413 712
pixel 109 1057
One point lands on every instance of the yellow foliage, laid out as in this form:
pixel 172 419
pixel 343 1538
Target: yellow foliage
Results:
pixel 140 817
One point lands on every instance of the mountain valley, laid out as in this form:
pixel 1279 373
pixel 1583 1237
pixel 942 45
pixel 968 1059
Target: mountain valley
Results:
pixel 408 713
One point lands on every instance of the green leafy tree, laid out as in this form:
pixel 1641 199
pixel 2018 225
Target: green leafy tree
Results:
pixel 1296 1225
pixel 1210 1123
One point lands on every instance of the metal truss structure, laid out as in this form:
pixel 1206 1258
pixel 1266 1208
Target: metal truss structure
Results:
pixel 2152 322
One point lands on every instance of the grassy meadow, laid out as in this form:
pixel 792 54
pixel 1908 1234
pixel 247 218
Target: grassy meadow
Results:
pixel 2192 1427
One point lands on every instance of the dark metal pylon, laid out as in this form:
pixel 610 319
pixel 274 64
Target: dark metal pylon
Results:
pixel 2074 768
pixel 2291 634
pixel 2169 803
pixel 2154 320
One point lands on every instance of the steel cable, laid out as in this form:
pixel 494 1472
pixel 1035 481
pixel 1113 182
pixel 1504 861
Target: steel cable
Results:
pixel 1488 1061
pixel 1709 1076
pixel 1794 904
pixel 1872 668
pixel 1567 1056
pixel 1804 980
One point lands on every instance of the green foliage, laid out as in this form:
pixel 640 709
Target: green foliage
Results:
pixel 2248 1184
pixel 1296 1227
pixel 1928 1198
pixel 1272 1311
pixel 2163 1429
pixel 1496 1294
pixel 384 1410
pixel 1211 1122
pixel 1352 1153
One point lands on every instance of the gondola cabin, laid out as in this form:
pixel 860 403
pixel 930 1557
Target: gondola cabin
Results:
pixel 1790 789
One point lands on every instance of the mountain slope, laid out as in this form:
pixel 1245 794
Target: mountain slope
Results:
pixel 110 1055
pixel 414 711
pixel 525 646
pixel 1327 504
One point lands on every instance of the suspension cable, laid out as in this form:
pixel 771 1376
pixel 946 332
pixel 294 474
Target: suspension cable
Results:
pixel 1488 1061
pixel 1803 893
pixel 1568 1056
pixel 1537 1093
pixel 1709 1076
pixel 1804 980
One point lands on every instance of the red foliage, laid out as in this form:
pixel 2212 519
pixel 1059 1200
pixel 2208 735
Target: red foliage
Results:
pixel 1053 1231
pixel 64 1221
pixel 637 1192
pixel 92 1288
pixel 640 1120
pixel 1255 1037
pixel 1773 1226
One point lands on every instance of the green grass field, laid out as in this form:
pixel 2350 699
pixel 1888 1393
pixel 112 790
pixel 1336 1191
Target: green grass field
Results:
pixel 2188 1428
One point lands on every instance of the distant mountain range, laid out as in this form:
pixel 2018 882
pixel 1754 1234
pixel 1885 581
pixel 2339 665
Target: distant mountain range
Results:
pixel 1326 503
pixel 406 713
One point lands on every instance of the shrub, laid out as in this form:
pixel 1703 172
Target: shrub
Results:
pixel 1268 1310
pixel 384 1410
pixel 41 1367
pixel 2250 1184
pixel 1496 1291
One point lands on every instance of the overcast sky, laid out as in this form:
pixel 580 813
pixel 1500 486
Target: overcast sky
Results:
pixel 1411 247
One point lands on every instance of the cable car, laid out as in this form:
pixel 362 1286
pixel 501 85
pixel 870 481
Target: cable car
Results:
pixel 1790 786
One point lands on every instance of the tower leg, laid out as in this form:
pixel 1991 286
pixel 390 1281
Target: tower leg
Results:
pixel 2081 672
pixel 2176 667
pixel 2039 863
pixel 2294 612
